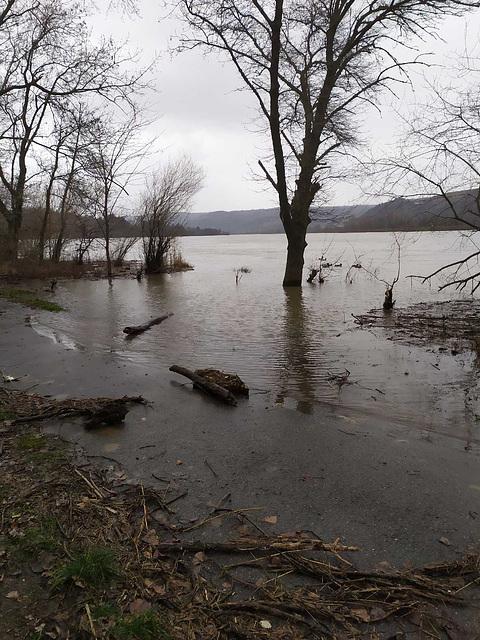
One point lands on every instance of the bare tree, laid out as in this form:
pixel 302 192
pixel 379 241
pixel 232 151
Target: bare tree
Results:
pixel 71 123
pixel 311 65
pixel 167 195
pixel 46 59
pixel 440 157
pixel 85 235
pixel 114 153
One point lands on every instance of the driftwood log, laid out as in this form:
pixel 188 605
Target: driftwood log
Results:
pixel 143 327
pixel 209 387
pixel 277 544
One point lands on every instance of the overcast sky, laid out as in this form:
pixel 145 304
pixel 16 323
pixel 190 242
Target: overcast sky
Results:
pixel 199 112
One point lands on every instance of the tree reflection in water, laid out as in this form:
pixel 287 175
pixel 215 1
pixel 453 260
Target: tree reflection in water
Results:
pixel 298 371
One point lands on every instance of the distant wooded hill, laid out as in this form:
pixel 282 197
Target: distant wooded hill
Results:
pixel 401 214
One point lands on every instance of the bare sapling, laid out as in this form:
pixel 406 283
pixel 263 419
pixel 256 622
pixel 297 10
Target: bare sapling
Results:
pixel 120 250
pixel 239 273
pixel 324 265
pixel 166 197
pixel 388 302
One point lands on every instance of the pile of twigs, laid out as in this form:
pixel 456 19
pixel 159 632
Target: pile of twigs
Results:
pixel 30 407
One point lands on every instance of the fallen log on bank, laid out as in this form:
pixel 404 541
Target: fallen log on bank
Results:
pixel 143 327
pixel 278 544
pixel 209 387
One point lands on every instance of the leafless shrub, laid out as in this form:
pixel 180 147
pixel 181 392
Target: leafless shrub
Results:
pixel 119 252
pixel 167 195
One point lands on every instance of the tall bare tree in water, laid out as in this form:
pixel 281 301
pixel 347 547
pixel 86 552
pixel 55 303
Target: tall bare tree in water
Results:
pixel 311 64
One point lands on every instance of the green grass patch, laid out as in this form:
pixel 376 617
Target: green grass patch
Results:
pixel 37 636
pixel 29 298
pixel 149 625
pixel 31 441
pixel 41 536
pixel 48 458
pixel 104 610
pixel 142 626
pixel 5 490
pixel 92 566
pixel 6 414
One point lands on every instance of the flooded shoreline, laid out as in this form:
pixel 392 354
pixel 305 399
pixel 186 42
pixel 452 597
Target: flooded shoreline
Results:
pixel 296 345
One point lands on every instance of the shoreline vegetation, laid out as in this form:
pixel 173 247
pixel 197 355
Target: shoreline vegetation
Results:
pixel 27 269
pixel 86 553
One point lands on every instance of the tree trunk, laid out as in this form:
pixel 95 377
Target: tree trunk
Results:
pixel 58 248
pixel 11 245
pixel 295 251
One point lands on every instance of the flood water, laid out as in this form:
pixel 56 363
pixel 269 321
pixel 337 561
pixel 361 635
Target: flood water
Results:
pixel 291 343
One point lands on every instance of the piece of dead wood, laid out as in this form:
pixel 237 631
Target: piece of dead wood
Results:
pixel 146 325
pixel 209 387
pixel 246 544
pixel 75 407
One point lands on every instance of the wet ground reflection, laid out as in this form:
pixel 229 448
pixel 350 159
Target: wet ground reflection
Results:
pixel 294 343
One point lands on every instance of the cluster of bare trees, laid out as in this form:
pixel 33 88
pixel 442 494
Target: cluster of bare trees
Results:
pixel 72 136
pixel 312 65
pixel 56 86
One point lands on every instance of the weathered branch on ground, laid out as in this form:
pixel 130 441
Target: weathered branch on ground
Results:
pixel 209 387
pixel 278 544
pixel 143 327
pixel 72 407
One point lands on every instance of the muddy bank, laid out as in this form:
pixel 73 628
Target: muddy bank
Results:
pixel 452 325
pixel 86 554
pixel 393 489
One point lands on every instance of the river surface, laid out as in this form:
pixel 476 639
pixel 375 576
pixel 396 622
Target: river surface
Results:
pixel 296 347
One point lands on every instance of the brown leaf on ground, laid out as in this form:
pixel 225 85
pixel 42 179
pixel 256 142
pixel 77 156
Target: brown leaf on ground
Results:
pixel 199 557
pixel 139 606
pixel 159 590
pixel 376 614
pixel 361 614
pixel 151 538
pixel 271 519
pixel 12 595
pixel 445 541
